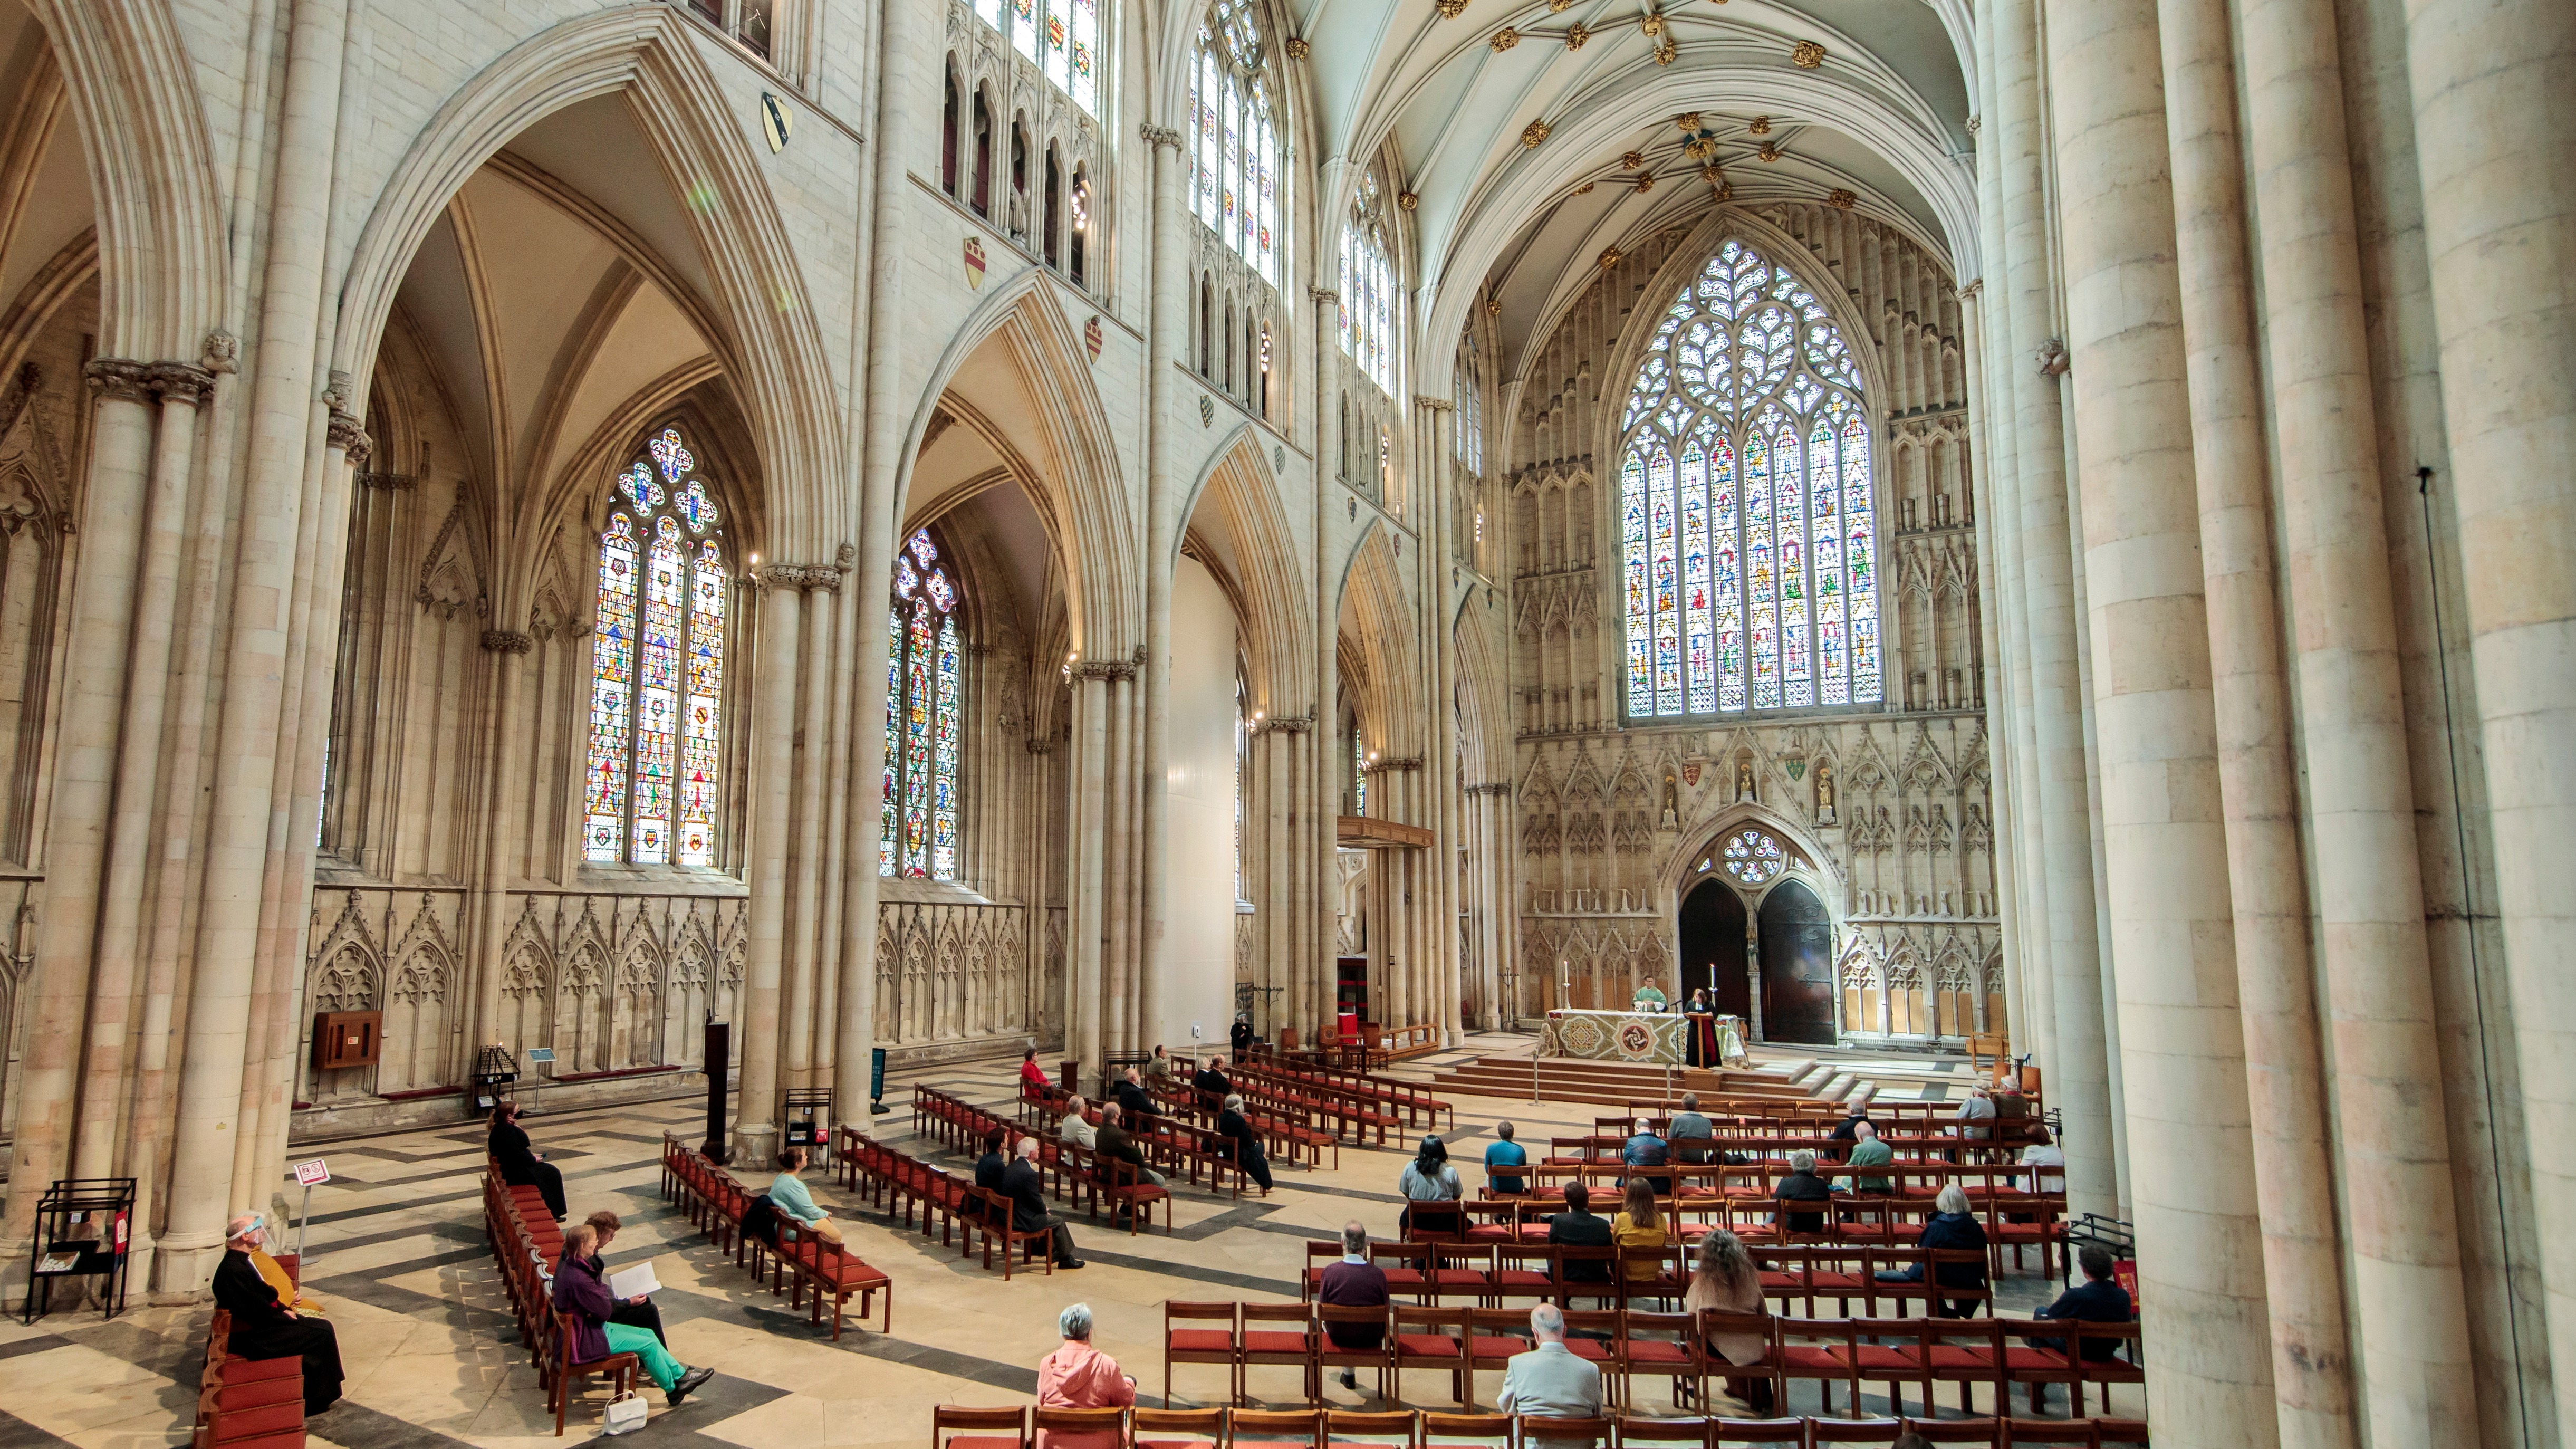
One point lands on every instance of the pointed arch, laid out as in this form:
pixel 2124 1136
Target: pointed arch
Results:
pixel 1240 494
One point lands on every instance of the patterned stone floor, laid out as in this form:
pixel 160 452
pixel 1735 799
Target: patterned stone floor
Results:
pixel 396 1251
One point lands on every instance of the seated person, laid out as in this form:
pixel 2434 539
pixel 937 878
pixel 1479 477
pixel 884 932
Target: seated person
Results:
pixel 1638 1225
pixel 1119 1143
pixel 1078 1376
pixel 1029 1212
pixel 1951 1226
pixel 1236 1128
pixel 2100 1300
pixel 1504 1152
pixel 580 1291
pixel 1868 1151
pixel 1726 1279
pixel 1354 1282
pixel 1158 1069
pixel 1645 1149
pixel 1031 1074
pixel 1133 1103
pixel 787 1194
pixel 639 1311
pixel 990 1166
pixel 265 1324
pixel 1549 1381
pixel 1239 1036
pixel 1427 1178
pixel 1211 1081
pixel 2042 1153
pixel 1076 1127
pixel 520 1165
pixel 1802 1185
pixel 1580 1227
pixel 1688 1122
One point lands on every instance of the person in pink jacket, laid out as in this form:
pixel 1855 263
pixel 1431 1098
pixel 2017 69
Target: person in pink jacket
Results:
pixel 1078 1376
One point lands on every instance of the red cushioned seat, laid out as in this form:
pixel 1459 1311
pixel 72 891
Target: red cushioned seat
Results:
pixel 1807 1362
pixel 1961 1358
pixel 1590 1350
pixel 266 1419
pixel 981 1441
pixel 1213 1340
pixel 1656 1350
pixel 238 1370
pixel 1876 1357
pixel 1266 1341
pixel 277 1389
pixel 1429 1345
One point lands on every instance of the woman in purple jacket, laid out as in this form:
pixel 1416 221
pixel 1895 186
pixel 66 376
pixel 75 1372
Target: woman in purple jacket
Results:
pixel 580 1292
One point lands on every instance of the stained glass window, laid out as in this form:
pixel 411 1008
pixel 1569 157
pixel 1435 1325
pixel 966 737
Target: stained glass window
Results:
pixel 1752 857
pixel 1236 171
pixel 924 657
pixel 1746 503
pixel 1371 308
pixel 653 783
pixel 1062 36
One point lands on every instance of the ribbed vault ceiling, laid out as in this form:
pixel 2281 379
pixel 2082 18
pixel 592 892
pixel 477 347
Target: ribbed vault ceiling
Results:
pixel 1882 114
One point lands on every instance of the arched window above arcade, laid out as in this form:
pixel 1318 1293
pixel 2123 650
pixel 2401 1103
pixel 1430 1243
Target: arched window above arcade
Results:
pixel 925 657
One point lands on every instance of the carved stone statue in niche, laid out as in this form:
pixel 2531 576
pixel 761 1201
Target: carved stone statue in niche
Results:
pixel 1824 792
pixel 1672 816
pixel 1744 779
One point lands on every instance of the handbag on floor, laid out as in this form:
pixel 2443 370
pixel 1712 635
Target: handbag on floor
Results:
pixel 625 1413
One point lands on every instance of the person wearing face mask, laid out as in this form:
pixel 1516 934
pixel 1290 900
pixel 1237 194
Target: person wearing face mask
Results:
pixel 265 1324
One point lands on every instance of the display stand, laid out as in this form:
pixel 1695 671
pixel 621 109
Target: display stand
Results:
pixel 805 1120
pixel 83 1230
pixel 494 1068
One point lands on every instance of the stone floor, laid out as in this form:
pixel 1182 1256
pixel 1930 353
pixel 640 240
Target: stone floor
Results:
pixel 396 1251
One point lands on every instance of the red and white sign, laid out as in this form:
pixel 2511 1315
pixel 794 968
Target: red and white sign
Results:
pixel 314 1173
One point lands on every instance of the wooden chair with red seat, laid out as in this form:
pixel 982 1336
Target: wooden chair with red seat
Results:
pixel 1080 1425
pixel 1361 1429
pixel 1666 1345
pixel 1849 1433
pixel 1586 1272
pixel 1026 1245
pixel 1524 1270
pixel 1779 1433
pixel 1457 1431
pixel 1986 1432
pixel 1319 1256
pixel 1966 1352
pixel 979 1425
pixel 1201 1345
pixel 1402 1265
pixel 1494 1335
pixel 620 1369
pixel 1175 1428
pixel 1459 1270
pixel 1276 1335
pixel 1814 1348
pixel 1631 1431
pixel 1274 1429
pixel 1432 1338
pixel 1126 1187
pixel 1890 1351
pixel 1540 1431
pixel 2097 1360
pixel 2051 1434
pixel 1331 1355
pixel 1435 1222
pixel 1764 1368
pixel 1592 1335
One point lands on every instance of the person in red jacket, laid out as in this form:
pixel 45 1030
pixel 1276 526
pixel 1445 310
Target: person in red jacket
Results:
pixel 1031 1074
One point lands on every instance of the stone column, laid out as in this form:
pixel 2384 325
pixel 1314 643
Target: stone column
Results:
pixel 801 964
pixel 1083 1036
pixel 283 413
pixel 2285 1073
pixel 2207 1346
pixel 85 769
pixel 1167 323
pixel 2078 1071
pixel 2390 1122
pixel 2491 86
pixel 775 665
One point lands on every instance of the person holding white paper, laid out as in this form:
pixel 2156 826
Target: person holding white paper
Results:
pixel 635 1306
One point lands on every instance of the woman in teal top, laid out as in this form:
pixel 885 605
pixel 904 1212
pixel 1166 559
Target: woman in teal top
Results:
pixel 1505 1153
pixel 1648 998
pixel 787 1194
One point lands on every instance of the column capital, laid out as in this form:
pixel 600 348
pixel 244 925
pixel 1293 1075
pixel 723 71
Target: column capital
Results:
pixel 1036 746
pixel 118 377
pixel 1295 724
pixel 1105 669
pixel 1973 290
pixel 1409 762
pixel 1435 404
pixel 1491 787
pixel 1153 135
pixel 799 576
pixel 350 437
pixel 507 641
pixel 184 381
pixel 1324 294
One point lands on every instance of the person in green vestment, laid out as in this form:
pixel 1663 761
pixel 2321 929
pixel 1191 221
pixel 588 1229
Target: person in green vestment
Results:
pixel 1648 998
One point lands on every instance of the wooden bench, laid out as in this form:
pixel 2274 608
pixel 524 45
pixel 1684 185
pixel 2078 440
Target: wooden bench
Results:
pixel 247 1403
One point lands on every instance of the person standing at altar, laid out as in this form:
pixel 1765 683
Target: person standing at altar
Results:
pixel 1699 1026
pixel 1647 998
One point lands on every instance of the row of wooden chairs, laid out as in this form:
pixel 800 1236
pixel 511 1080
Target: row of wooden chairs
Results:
pixel 2011 1223
pixel 808 1268
pixel 1492 1275
pixel 247 1403
pixel 1420 1107
pixel 1626 1344
pixel 1177 1148
pixel 956 1427
pixel 1285 1132
pixel 900 1181
pixel 526 1241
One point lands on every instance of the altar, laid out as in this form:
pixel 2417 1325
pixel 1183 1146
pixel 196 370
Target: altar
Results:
pixel 1645 1037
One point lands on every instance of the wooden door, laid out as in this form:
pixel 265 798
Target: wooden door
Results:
pixel 1797 967
pixel 1712 944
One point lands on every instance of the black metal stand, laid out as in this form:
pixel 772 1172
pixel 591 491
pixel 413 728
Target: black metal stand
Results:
pixel 805 1120
pixel 719 1062
pixel 494 1069
pixel 84 1229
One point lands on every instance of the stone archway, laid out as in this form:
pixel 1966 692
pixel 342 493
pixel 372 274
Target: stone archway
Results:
pixel 1798 984
pixel 1713 921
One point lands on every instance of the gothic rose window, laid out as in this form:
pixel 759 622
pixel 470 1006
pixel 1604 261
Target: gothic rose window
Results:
pixel 1749 534
pixel 1752 857
pixel 924 645
pixel 657 667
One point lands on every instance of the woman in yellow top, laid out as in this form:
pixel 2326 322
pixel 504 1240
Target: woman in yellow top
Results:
pixel 1638 1225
